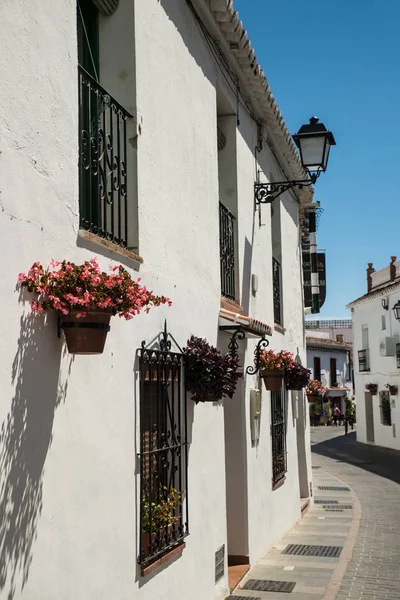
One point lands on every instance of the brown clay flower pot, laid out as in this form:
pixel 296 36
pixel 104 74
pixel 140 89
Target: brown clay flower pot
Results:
pixel 313 397
pixel 272 379
pixel 86 335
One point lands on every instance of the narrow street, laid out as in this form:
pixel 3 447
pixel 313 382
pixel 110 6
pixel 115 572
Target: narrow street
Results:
pixel 374 475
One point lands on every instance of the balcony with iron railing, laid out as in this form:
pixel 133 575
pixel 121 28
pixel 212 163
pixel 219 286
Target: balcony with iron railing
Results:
pixel 103 163
pixel 363 360
pixel 227 252
pixel 277 291
pixel 398 356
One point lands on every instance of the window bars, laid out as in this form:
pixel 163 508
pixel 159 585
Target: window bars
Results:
pixel 278 435
pixel 164 514
pixel 363 360
pixel 103 188
pixel 227 252
pixel 276 274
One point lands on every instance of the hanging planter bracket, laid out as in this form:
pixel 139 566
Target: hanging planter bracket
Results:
pixel 239 333
pixel 262 345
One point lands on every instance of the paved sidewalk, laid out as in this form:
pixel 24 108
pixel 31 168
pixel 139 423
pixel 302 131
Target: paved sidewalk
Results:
pixel 333 522
pixel 373 572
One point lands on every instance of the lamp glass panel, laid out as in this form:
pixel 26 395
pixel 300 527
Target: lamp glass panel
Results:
pixel 312 152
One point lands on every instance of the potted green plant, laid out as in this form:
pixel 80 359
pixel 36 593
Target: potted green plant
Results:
pixel 296 376
pixel 314 390
pixel 272 367
pixel 392 389
pixel 210 375
pixel 315 413
pixel 85 298
pixel 372 388
pixel 158 519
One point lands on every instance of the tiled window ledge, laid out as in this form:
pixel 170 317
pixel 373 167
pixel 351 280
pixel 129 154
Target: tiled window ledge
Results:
pixel 279 328
pixel 280 483
pixel 98 241
pixel 146 570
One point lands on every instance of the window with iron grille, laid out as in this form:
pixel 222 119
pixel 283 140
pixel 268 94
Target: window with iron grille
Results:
pixel 333 373
pixel 104 206
pixel 227 252
pixel 363 360
pixel 277 291
pixel 278 435
pixel 398 356
pixel 317 368
pixel 386 411
pixel 164 519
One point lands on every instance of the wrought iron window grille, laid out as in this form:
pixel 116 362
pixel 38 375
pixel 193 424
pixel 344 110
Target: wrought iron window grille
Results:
pixel 227 252
pixel 163 458
pixel 398 356
pixel 277 291
pixel 278 436
pixel 363 360
pixel 103 164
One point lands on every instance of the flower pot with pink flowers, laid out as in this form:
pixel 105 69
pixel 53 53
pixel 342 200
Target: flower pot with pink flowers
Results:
pixel 314 390
pixel 85 298
pixel 272 368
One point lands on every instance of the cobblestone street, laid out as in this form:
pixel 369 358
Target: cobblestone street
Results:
pixel 374 475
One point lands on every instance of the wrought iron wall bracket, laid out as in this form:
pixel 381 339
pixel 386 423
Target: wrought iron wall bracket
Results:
pixel 262 345
pixel 265 193
pixel 238 333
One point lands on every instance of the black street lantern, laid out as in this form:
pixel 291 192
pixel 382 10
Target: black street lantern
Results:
pixel 396 310
pixel 314 142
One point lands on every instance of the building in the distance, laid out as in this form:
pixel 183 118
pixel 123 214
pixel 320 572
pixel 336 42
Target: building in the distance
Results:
pixel 330 362
pixel 376 331
pixel 337 329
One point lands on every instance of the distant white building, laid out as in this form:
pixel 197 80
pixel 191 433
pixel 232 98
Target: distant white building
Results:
pixel 330 363
pixel 376 333
pixel 336 329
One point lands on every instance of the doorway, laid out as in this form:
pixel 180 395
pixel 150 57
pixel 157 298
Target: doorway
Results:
pixel 369 418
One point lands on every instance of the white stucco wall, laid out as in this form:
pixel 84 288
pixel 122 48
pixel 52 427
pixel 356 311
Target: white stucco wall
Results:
pixel 342 366
pixel 383 369
pixel 70 424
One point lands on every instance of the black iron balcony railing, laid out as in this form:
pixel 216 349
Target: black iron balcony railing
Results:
pixel 103 193
pixel 363 360
pixel 398 356
pixel 276 274
pixel 227 252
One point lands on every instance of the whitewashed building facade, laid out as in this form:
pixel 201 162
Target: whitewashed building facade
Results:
pixel 376 335
pixel 165 106
pixel 330 363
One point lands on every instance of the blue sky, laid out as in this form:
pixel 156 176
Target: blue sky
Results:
pixel 340 60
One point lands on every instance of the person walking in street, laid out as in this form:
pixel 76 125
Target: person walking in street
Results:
pixel 336 415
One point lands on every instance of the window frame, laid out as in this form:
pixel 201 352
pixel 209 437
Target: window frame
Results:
pixel 163 450
pixel 333 372
pixel 317 369
pixel 278 436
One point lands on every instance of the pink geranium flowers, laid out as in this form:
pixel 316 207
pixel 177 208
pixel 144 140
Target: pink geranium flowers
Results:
pixel 80 288
pixel 271 360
